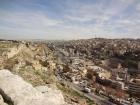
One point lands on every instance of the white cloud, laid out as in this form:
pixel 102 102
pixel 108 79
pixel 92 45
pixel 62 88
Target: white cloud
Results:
pixel 81 21
pixel 99 13
pixel 28 19
pixel 138 7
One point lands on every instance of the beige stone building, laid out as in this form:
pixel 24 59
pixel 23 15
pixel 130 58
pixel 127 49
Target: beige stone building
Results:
pixel 134 87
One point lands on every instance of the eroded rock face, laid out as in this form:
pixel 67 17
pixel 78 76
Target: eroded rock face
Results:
pixel 2 101
pixel 15 89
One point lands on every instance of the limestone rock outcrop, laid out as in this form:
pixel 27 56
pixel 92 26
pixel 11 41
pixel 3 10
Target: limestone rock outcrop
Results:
pixel 50 92
pixel 2 101
pixel 13 88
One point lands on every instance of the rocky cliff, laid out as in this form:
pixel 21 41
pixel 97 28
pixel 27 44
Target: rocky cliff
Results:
pixel 16 91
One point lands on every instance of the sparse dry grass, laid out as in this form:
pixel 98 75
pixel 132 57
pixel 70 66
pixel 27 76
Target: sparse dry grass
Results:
pixel 67 91
pixel 36 77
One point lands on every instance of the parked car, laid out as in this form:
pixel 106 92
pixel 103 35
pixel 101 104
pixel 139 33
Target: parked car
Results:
pixel 87 90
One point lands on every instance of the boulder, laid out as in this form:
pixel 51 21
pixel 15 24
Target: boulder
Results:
pixel 13 88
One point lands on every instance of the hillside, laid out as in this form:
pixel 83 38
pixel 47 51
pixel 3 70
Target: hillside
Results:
pixel 36 63
pixel 126 50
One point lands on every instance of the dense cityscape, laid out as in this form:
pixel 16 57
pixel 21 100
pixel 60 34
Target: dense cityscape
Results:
pixel 93 71
pixel 69 52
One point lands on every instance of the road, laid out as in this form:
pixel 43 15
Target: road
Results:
pixel 91 96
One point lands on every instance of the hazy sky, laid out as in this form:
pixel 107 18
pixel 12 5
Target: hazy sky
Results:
pixel 69 19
